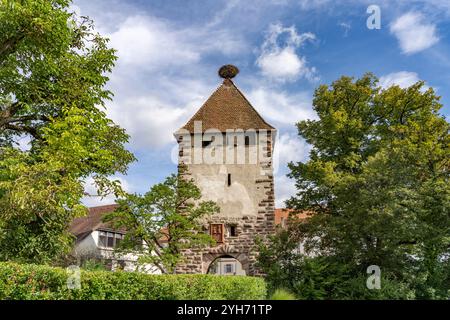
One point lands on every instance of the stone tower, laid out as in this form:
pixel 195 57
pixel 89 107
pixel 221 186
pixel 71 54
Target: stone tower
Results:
pixel 227 149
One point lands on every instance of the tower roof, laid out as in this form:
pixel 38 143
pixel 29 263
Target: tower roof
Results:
pixel 227 108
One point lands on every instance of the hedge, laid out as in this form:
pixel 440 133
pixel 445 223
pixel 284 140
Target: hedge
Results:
pixel 37 282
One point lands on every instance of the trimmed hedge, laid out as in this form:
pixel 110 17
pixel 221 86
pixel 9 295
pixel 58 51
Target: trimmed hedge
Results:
pixel 26 282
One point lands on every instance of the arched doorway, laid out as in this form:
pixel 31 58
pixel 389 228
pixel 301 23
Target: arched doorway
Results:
pixel 226 265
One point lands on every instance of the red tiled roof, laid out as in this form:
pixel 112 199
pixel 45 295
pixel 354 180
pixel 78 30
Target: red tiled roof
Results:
pixel 83 226
pixel 80 227
pixel 227 108
pixel 284 213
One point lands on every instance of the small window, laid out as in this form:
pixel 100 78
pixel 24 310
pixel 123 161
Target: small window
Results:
pixel 232 230
pixel 232 140
pixel 229 179
pixel 206 143
pixel 228 268
pixel 247 140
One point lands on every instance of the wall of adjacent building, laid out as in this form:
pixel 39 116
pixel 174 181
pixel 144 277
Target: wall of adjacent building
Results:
pixel 89 248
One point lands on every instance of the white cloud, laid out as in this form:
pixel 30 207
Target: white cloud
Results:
pixel 414 33
pixel 75 9
pixel 149 121
pixel 280 61
pixel 160 78
pixel 403 79
pixel 313 4
pixel 92 199
pixel 284 189
pixel 289 147
pixel 280 106
pixel 149 43
pixel 346 27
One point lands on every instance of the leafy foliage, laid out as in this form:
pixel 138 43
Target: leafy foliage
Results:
pixel 377 182
pixel 53 70
pixel 319 278
pixel 42 282
pixel 282 294
pixel 165 219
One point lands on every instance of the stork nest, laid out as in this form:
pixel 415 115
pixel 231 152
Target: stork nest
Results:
pixel 228 71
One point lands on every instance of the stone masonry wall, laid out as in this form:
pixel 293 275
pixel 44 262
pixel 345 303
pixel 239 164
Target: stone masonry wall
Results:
pixel 241 247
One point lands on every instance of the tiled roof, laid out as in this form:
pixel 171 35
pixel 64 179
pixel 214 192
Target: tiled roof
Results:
pixel 227 108
pixel 83 226
pixel 80 227
pixel 284 213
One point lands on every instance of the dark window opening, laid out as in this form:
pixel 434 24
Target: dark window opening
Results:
pixel 228 268
pixel 232 140
pixel 229 179
pixel 110 243
pixel 232 231
pixel 247 140
pixel 206 143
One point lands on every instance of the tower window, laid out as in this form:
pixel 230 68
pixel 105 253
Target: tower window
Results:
pixel 247 140
pixel 206 143
pixel 229 179
pixel 232 230
pixel 232 140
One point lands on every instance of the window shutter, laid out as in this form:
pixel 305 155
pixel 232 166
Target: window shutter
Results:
pixel 216 230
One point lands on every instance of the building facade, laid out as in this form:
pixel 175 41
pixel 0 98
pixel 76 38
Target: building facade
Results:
pixel 97 241
pixel 226 148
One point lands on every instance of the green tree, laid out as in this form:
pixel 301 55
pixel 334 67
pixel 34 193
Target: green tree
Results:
pixel 53 71
pixel 377 183
pixel 163 222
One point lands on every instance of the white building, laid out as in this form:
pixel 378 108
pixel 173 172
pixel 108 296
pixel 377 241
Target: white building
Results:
pixel 96 240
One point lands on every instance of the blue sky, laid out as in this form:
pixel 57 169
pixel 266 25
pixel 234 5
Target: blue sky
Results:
pixel 169 53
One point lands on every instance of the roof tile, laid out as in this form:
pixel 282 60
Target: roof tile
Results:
pixel 93 221
pixel 227 108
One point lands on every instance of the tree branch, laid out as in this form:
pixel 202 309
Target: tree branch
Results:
pixel 30 130
pixel 8 47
